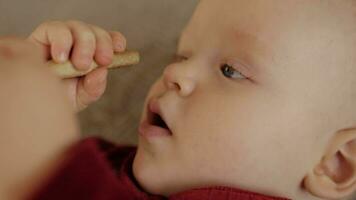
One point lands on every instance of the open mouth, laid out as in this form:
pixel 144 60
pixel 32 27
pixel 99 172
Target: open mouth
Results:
pixel 158 121
pixel 154 116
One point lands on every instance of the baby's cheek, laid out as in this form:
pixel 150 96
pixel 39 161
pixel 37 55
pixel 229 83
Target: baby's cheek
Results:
pixel 215 149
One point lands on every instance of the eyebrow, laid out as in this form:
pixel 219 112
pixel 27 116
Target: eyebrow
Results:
pixel 250 48
pixel 251 41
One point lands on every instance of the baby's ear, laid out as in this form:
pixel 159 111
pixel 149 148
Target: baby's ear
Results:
pixel 334 177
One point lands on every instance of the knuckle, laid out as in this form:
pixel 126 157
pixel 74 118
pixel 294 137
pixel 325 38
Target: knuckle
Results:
pixel 105 43
pixel 104 35
pixel 75 22
pixel 99 30
pixel 55 23
pixel 40 27
pixel 61 36
pixel 66 38
pixel 58 27
pixel 44 24
pixel 87 37
pixel 50 24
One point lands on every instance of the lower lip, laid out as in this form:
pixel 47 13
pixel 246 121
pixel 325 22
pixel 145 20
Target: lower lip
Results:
pixel 148 130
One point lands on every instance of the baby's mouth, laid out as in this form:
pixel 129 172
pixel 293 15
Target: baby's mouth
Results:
pixel 155 116
pixel 158 121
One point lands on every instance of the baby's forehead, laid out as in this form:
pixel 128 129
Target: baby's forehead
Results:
pixel 277 13
pixel 284 25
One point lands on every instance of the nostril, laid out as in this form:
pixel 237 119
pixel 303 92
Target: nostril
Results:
pixel 177 86
pixel 174 86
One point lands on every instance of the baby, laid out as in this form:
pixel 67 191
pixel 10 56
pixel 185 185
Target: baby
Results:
pixel 261 97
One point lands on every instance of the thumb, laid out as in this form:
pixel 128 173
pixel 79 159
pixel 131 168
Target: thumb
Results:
pixel 15 48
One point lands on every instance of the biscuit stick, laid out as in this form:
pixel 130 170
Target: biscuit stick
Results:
pixel 67 70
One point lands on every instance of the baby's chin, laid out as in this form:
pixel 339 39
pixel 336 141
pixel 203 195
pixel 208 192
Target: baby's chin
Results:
pixel 153 175
pixel 142 176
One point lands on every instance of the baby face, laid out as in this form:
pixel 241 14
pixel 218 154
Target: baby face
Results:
pixel 254 94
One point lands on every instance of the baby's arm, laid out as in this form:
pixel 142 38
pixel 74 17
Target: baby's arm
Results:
pixel 37 122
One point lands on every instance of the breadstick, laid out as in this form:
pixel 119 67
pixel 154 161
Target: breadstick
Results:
pixel 67 70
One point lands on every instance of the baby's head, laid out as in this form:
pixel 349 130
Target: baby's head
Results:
pixel 262 97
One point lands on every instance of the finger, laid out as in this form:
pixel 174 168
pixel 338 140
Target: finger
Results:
pixel 84 45
pixel 104 46
pixel 91 87
pixel 55 35
pixel 119 41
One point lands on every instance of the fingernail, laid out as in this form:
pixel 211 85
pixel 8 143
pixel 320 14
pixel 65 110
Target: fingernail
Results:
pixel 119 47
pixel 87 63
pixel 62 57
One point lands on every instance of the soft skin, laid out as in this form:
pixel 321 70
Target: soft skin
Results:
pixel 285 126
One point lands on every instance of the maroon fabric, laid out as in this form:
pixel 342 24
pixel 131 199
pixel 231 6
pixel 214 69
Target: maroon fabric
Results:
pixel 99 170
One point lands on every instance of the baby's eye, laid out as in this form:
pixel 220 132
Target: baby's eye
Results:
pixel 230 72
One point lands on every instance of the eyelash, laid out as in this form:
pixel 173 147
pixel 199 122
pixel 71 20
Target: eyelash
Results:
pixel 225 68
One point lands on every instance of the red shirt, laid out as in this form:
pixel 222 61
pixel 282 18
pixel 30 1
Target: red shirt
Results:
pixel 99 170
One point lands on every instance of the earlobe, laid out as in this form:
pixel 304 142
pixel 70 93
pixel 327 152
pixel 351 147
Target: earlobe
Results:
pixel 334 177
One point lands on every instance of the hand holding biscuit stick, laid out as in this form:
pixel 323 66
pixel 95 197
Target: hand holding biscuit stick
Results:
pixel 79 48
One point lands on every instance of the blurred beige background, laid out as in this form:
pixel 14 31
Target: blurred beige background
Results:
pixel 152 27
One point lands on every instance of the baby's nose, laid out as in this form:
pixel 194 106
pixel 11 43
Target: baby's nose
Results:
pixel 178 78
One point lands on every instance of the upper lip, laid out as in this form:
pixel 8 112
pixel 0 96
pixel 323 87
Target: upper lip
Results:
pixel 155 108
